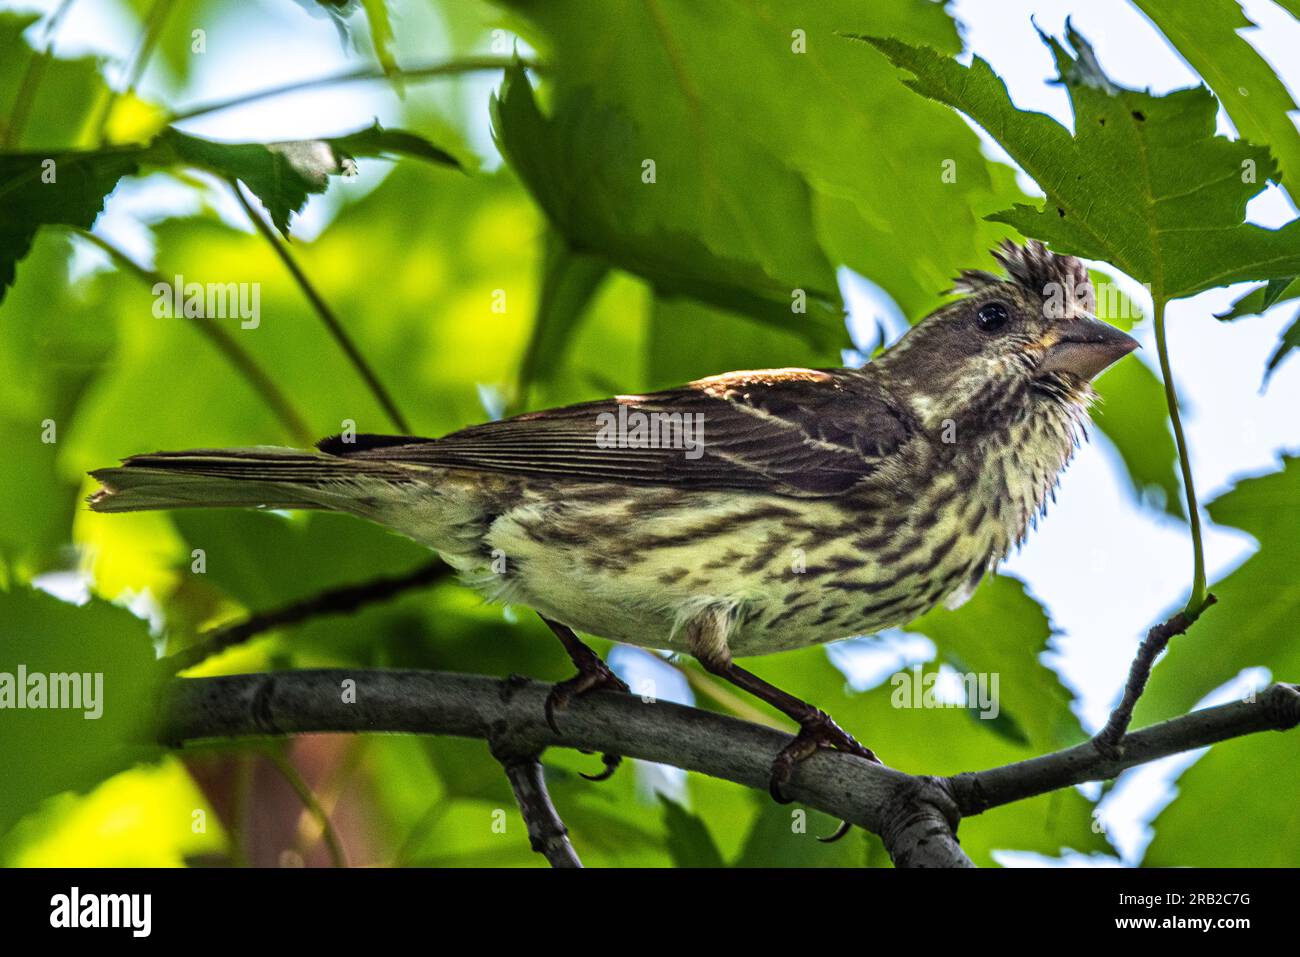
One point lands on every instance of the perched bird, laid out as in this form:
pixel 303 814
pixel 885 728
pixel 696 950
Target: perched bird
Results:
pixel 742 514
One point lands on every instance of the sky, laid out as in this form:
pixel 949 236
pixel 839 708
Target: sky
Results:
pixel 1106 567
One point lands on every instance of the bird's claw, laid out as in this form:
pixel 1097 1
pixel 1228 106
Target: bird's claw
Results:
pixel 612 761
pixel 816 732
pixel 598 677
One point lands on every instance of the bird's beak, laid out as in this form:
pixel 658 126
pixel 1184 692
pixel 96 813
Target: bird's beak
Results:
pixel 1085 347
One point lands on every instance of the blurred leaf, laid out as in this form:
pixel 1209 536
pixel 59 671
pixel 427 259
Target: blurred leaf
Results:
pixel 1256 99
pixel 39 190
pixel 689 843
pixel 1290 340
pixel 1261 298
pixel 64 749
pixel 439 357
pixel 265 560
pixel 582 167
pixel 70 188
pixel 786 836
pixel 49 356
pixel 53 101
pixel 1003 631
pixel 688 340
pixel 765 100
pixel 381 33
pixel 144 817
pixel 1131 413
pixel 1252 623
pixel 569 281
pixel 1223 817
pixel 1131 151
pixel 283 174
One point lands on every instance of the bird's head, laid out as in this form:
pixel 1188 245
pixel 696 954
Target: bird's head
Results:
pixel 1028 338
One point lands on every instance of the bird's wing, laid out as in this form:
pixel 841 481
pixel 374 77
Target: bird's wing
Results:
pixel 786 431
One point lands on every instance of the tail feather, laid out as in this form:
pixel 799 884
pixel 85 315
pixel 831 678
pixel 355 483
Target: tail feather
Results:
pixel 265 476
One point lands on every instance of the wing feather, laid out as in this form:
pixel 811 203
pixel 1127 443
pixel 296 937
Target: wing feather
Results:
pixel 786 431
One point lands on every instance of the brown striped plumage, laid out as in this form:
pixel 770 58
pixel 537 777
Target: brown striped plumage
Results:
pixel 820 503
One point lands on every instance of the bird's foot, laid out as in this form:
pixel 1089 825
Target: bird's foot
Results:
pixel 594 675
pixel 817 731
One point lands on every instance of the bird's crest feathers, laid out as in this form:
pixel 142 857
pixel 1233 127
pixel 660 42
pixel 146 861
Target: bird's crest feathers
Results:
pixel 1037 270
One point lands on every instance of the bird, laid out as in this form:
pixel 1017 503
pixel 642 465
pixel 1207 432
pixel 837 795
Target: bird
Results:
pixel 742 514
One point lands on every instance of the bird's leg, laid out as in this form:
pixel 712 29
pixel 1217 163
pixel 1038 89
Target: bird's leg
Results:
pixel 816 728
pixel 593 675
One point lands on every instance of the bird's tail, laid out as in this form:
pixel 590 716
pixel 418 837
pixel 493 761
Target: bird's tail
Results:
pixel 265 476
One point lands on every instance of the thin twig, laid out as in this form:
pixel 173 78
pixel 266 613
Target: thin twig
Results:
pixel 153 25
pixel 323 310
pixel 235 354
pixel 305 794
pixel 342 600
pixel 1157 639
pixel 31 81
pixel 1197 602
pixel 1276 708
pixel 469 64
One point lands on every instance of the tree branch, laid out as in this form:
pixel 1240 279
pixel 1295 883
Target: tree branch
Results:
pixel 332 601
pixel 1156 641
pixel 547 834
pixel 1277 708
pixel 915 816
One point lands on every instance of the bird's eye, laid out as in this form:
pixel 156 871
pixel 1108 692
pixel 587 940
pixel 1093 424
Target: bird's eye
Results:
pixel 992 316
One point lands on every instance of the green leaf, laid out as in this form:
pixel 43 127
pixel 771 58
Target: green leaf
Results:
pixel 689 340
pixel 45 103
pixel 786 836
pixel 48 750
pixel 740 103
pixel 1234 808
pixel 282 175
pixel 1290 340
pixel 569 281
pixel 70 188
pixel 49 358
pixel 689 842
pixel 1002 631
pixel 1262 298
pixel 584 166
pixel 1143 183
pixel 1206 34
pixel 1252 623
pixel 40 190
pixel 1131 414
pixel 381 33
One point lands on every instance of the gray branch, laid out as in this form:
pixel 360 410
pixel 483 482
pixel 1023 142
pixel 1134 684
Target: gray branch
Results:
pixel 1276 708
pixel 915 816
pixel 547 834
